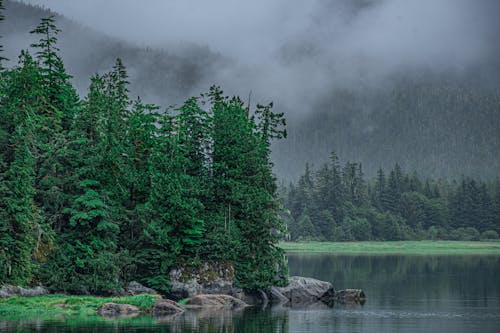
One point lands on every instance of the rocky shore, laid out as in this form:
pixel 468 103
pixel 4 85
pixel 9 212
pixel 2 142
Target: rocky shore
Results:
pixel 212 286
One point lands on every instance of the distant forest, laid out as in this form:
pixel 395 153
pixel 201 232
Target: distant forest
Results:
pixel 439 127
pixel 100 191
pixel 338 203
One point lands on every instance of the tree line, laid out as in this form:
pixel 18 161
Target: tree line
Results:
pixel 337 203
pixel 102 190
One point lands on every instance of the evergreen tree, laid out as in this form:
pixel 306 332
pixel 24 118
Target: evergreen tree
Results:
pixel 20 223
pixel 60 103
pixel 379 190
pixel 354 184
pixel 85 258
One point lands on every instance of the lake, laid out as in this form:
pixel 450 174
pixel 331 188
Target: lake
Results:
pixel 405 294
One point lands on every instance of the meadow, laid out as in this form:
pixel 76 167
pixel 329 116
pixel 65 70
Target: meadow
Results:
pixel 396 247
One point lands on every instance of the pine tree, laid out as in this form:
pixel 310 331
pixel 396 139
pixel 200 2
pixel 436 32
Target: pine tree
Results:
pixel 379 190
pixel 55 118
pixel 20 222
pixel 85 258
pixel 174 232
pixel 354 184
pixel 245 191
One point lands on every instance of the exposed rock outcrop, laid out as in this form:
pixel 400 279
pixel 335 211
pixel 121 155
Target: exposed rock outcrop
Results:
pixel 117 310
pixel 135 288
pixel 165 307
pixel 8 290
pixel 303 290
pixel 215 301
pixel 209 278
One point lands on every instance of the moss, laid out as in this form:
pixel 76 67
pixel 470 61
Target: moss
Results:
pixel 207 272
pixel 55 305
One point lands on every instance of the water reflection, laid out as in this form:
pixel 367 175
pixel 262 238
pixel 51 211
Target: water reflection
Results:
pixel 249 320
pixel 405 294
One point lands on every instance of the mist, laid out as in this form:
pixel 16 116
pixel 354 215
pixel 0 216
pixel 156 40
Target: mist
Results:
pixel 377 81
pixel 295 52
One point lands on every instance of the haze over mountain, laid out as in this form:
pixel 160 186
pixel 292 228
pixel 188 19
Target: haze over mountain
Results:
pixel 378 81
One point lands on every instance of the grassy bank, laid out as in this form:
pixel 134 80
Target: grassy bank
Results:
pixel 400 247
pixel 58 305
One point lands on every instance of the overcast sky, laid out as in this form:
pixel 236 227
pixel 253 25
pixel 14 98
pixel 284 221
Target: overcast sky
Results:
pixel 287 48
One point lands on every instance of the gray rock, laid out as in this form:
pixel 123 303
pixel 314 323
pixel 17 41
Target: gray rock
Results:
pixel 305 290
pixel 117 310
pixel 350 295
pixel 215 301
pixel 8 290
pixel 165 307
pixel 276 297
pixel 209 278
pixel 135 288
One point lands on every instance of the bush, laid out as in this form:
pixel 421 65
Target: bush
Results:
pixel 489 234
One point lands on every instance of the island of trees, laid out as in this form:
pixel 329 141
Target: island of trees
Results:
pixel 337 203
pixel 102 190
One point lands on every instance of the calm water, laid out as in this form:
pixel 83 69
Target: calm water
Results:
pixel 405 294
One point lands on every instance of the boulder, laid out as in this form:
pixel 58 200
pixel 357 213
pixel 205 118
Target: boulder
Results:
pixel 305 290
pixel 116 310
pixel 135 288
pixel 350 295
pixel 276 297
pixel 215 301
pixel 165 307
pixel 8 290
pixel 257 298
pixel 208 278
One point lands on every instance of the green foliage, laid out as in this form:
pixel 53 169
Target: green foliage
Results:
pixel 344 207
pixel 20 219
pixel 57 305
pixel 101 191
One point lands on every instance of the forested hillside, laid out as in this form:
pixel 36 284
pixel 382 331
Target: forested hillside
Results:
pixel 165 77
pixel 98 191
pixel 434 120
pixel 338 203
pixel 439 128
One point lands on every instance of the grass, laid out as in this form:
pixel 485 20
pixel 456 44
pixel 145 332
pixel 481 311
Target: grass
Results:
pixel 65 305
pixel 398 247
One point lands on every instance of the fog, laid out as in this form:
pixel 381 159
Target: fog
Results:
pixel 295 52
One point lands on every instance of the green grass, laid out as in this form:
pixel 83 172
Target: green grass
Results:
pixel 50 306
pixel 399 247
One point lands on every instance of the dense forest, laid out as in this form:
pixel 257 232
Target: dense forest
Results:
pixel 102 190
pixel 337 203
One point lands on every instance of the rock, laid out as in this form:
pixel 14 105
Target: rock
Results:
pixel 135 288
pixel 305 290
pixel 215 301
pixel 276 297
pixel 257 298
pixel 208 278
pixel 165 307
pixel 8 290
pixel 115 310
pixel 350 295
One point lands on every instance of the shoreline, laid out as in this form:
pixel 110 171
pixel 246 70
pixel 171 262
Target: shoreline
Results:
pixel 54 305
pixel 395 247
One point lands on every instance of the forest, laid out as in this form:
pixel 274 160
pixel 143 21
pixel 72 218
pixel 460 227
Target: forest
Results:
pixel 337 203
pixel 101 190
